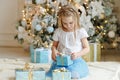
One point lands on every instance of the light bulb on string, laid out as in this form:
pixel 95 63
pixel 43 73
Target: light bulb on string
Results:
pixel 33 35
pixel 60 4
pixel 52 11
pixel 101 27
pixel 102 46
pixel 106 21
pixel 23 11
pixel 24 15
pixel 85 3
pixel 24 19
pixel 87 7
pixel 98 27
pixel 114 44
pixel 47 5
pixel 86 0
pixel 104 33
pixel 69 1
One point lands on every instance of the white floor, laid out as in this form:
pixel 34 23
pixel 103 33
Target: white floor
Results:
pixel 12 58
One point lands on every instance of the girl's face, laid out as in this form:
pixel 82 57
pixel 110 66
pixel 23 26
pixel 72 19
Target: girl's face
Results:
pixel 68 23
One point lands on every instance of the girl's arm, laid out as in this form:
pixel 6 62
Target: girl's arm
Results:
pixel 85 49
pixel 54 50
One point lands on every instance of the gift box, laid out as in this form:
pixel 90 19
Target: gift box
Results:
pixel 30 74
pixel 41 55
pixel 31 49
pixel 64 60
pixel 61 74
pixel 94 54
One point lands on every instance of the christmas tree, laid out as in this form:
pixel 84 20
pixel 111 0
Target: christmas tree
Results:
pixel 40 20
pixel 103 19
pixel 37 24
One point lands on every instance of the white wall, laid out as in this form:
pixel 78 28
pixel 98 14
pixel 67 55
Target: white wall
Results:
pixel 9 14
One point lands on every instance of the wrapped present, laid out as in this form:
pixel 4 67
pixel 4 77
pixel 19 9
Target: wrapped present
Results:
pixel 95 52
pixel 61 74
pixel 64 60
pixel 28 73
pixel 41 55
pixel 31 49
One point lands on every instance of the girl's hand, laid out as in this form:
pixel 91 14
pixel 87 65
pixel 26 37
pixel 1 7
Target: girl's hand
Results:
pixel 54 55
pixel 74 56
pixel 58 53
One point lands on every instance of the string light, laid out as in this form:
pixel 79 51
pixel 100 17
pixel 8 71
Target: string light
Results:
pixel 34 9
pixel 106 21
pixel 102 46
pixel 101 27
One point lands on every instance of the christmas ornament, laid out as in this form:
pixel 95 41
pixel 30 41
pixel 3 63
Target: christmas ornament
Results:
pixel 38 27
pixel 23 23
pixel 111 34
pixel 50 29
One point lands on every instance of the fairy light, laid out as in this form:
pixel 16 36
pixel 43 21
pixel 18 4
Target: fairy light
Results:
pixel 104 33
pixel 102 46
pixel 98 27
pixel 69 0
pixel 60 4
pixel 24 19
pixel 114 44
pixel 47 7
pixel 52 10
pixel 85 3
pixel 101 27
pixel 23 15
pixel 86 0
pixel 106 21
pixel 30 23
pixel 23 11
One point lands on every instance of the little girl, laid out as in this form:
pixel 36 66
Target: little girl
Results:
pixel 71 39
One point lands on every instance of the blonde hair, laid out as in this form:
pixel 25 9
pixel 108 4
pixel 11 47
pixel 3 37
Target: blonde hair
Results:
pixel 67 11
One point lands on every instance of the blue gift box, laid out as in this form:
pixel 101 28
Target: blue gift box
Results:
pixel 38 74
pixel 64 60
pixel 31 49
pixel 61 75
pixel 40 55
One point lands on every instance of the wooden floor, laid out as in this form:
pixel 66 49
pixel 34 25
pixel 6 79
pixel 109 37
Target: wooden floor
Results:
pixel 20 53
pixel 16 53
pixel 110 55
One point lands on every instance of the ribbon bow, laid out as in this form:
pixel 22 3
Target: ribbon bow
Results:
pixel 30 69
pixel 60 70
